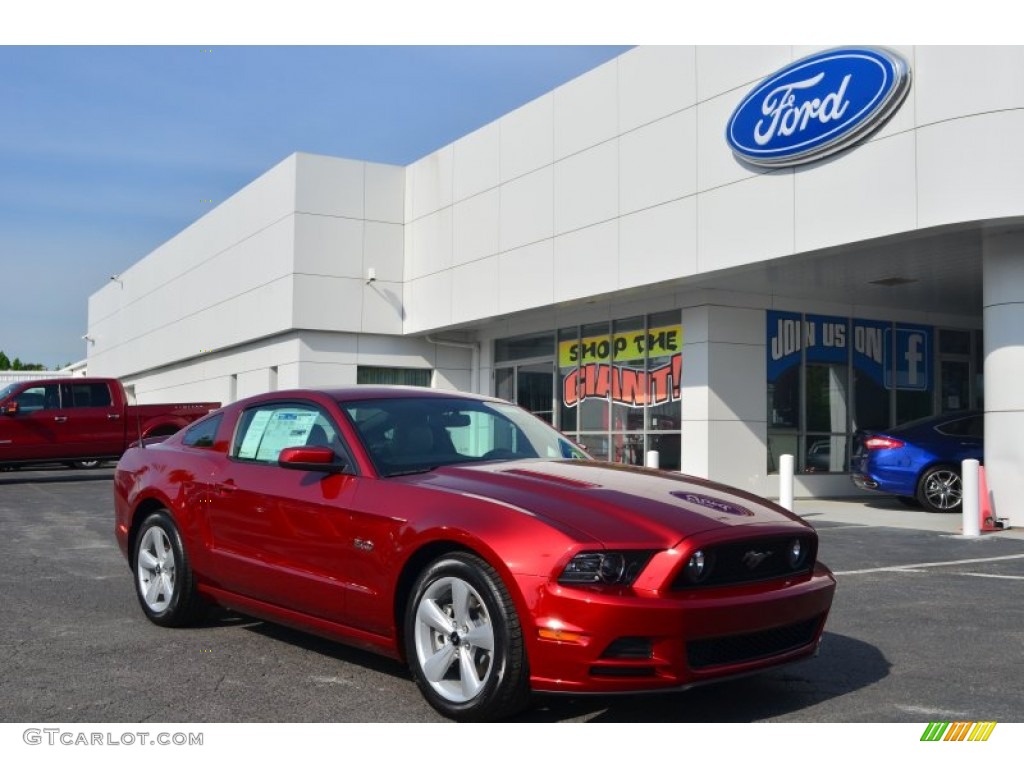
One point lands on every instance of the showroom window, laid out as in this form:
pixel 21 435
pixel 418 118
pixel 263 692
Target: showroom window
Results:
pixel 829 377
pixel 524 373
pixel 414 377
pixel 613 386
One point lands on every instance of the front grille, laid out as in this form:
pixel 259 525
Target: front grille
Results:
pixel 751 560
pixel 736 649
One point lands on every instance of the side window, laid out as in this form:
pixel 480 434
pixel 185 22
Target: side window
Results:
pixel 89 395
pixel 266 430
pixel 202 435
pixel 972 426
pixel 41 398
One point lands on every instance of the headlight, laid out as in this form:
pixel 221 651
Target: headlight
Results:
pixel 697 567
pixel 796 553
pixel 619 568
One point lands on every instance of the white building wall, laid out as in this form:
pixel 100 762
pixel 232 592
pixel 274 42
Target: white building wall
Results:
pixel 592 202
pixel 623 178
pixel 291 251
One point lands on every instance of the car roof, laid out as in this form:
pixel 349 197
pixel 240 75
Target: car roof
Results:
pixel 369 392
pixel 934 421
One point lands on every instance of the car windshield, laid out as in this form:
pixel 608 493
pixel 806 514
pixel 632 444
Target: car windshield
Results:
pixel 410 435
pixel 7 390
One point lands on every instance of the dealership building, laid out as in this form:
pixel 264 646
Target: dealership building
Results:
pixel 725 254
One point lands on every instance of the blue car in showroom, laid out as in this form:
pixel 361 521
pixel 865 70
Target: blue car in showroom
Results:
pixel 920 461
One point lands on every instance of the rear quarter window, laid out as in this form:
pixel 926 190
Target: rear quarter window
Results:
pixel 202 433
pixel 971 426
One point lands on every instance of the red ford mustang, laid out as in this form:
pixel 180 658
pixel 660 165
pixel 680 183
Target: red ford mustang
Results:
pixel 469 538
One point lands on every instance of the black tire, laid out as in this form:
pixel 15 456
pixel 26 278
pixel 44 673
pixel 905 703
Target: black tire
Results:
pixel 940 489
pixel 909 501
pixel 88 464
pixel 164 582
pixel 459 605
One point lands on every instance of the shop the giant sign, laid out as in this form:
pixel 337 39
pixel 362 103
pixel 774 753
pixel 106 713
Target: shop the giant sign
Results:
pixel 878 348
pixel 613 366
pixel 818 106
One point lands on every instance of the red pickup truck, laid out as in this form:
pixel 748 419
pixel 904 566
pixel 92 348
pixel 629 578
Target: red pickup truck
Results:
pixel 80 421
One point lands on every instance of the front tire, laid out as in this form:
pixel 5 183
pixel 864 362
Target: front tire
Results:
pixel 164 582
pixel 940 489
pixel 464 642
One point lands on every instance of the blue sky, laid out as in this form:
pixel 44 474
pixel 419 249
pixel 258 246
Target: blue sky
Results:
pixel 107 152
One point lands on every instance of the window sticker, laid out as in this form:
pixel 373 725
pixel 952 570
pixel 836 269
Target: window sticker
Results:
pixel 253 435
pixel 271 431
pixel 285 428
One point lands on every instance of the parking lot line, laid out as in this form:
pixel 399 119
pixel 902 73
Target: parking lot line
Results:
pixel 990 575
pixel 913 566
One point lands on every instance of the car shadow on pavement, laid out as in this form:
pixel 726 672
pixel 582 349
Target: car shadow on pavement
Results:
pixel 324 646
pixel 30 477
pixel 844 666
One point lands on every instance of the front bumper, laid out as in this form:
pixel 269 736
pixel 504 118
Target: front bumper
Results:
pixel 619 643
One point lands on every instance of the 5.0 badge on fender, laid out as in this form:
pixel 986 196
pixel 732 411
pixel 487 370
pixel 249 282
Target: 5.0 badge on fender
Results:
pixel 818 106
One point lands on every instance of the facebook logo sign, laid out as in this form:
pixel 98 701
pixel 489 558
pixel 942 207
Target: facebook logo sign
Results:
pixel 912 359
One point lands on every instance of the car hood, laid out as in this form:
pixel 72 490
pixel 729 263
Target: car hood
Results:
pixel 615 504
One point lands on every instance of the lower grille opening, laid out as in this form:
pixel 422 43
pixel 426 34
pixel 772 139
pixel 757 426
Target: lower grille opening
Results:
pixel 629 648
pixel 617 671
pixel 735 649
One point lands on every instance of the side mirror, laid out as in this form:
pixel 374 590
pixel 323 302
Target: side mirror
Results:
pixel 11 409
pixel 310 458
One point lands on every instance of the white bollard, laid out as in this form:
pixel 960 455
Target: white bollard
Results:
pixel 970 500
pixel 653 459
pixel 786 481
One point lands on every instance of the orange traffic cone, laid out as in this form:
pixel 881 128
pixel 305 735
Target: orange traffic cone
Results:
pixel 986 521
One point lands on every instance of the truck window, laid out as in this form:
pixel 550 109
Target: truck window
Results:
pixel 43 397
pixel 86 395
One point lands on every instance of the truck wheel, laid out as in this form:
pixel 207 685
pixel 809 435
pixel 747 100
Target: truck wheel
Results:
pixel 88 464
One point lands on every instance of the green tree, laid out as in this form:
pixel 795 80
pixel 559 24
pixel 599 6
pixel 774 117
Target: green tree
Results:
pixel 6 364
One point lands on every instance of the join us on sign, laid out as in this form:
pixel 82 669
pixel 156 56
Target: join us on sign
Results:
pixel 787 339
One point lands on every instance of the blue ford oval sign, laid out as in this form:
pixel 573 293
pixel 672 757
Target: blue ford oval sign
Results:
pixel 817 106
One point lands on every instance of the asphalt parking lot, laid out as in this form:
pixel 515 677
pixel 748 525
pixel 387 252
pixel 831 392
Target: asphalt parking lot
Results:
pixel 926 626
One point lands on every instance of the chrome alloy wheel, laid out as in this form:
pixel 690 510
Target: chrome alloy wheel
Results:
pixel 155 569
pixel 943 489
pixel 454 639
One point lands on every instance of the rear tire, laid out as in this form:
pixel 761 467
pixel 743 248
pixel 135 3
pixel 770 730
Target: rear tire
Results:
pixel 941 489
pixel 88 464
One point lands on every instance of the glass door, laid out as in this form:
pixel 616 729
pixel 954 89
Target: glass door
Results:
pixel 530 386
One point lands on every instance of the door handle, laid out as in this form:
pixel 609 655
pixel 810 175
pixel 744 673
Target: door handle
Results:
pixel 60 419
pixel 113 416
pixel 228 486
